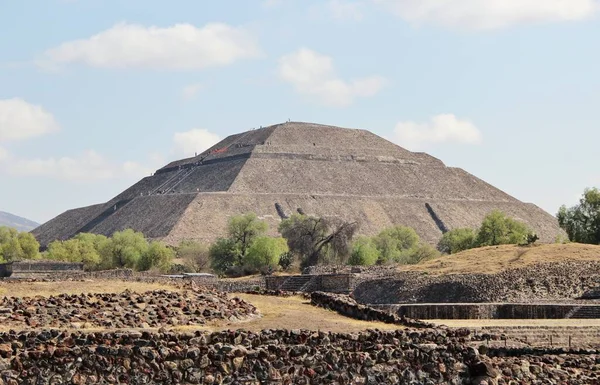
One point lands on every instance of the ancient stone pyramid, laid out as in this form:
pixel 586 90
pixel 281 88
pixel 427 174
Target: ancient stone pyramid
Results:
pixel 299 167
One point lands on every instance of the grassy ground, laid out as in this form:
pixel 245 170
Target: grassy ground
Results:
pixel 46 289
pixel 494 259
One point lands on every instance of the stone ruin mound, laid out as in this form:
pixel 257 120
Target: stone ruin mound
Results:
pixel 560 282
pixel 299 167
pixel 281 357
pixel 153 309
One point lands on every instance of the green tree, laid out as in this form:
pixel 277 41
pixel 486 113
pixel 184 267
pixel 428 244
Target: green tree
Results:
pixel 457 240
pixel 126 248
pixel 264 253
pixel 223 255
pixel 396 244
pixel 318 240
pixel 243 230
pixel 498 229
pixel 364 252
pixel 195 255
pixel 75 250
pixel 582 222
pixel 157 255
pixel 15 245
pixel 423 252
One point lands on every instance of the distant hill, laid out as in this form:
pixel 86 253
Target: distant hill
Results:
pixel 18 223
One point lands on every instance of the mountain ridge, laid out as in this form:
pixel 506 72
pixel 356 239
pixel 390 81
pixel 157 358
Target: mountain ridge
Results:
pixel 17 222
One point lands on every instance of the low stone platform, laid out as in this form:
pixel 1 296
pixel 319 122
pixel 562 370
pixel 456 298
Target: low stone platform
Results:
pixel 494 310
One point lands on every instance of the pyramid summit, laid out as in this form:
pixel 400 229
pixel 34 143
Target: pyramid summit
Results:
pixel 299 167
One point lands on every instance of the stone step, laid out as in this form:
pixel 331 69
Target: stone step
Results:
pixel 296 283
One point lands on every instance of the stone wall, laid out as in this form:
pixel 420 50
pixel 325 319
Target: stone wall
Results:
pixel 281 357
pixel 348 307
pixel 274 282
pixel 334 283
pixel 24 269
pixel 493 311
pixel 537 283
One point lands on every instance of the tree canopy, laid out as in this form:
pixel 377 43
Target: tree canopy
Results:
pixel 126 248
pixel 499 229
pixel 17 245
pixel 582 221
pixel 318 240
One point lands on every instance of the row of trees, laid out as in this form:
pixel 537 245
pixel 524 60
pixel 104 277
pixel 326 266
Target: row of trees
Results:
pixel 496 229
pixel 303 241
pixel 307 241
pixel 125 249
pixel 397 244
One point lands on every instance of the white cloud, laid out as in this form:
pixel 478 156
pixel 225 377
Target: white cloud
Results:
pixel 180 47
pixel 3 154
pixel 89 166
pixel 489 14
pixel 345 10
pixel 194 141
pixel 191 90
pixel 313 74
pixel 445 128
pixel 21 120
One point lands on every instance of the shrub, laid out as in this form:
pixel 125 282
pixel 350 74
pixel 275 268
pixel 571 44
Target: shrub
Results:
pixel 498 229
pixel 364 252
pixel 223 255
pixel 195 256
pixel 286 260
pixel 396 244
pixel 263 255
pixel 457 240
pixel 157 255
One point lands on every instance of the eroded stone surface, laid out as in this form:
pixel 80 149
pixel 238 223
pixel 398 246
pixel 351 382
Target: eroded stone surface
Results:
pixel 124 310
pixel 427 356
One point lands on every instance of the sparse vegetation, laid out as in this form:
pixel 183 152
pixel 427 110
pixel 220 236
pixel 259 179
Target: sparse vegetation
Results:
pixel 195 256
pixel 364 252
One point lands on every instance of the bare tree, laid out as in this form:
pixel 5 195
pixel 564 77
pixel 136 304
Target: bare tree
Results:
pixel 318 240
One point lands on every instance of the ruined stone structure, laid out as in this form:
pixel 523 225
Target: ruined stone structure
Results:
pixel 333 283
pixel 38 269
pixel 300 167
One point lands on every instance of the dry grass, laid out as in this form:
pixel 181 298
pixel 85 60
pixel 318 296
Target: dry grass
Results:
pixel 298 313
pixel 494 259
pixel 46 289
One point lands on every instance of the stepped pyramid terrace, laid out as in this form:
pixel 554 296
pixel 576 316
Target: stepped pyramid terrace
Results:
pixel 299 167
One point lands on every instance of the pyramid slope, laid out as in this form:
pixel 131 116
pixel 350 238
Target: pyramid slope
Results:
pixel 322 170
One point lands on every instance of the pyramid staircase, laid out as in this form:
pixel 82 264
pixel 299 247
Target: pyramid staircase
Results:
pixel 584 312
pixel 103 215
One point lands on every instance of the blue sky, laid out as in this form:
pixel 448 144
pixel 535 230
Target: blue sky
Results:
pixel 95 94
